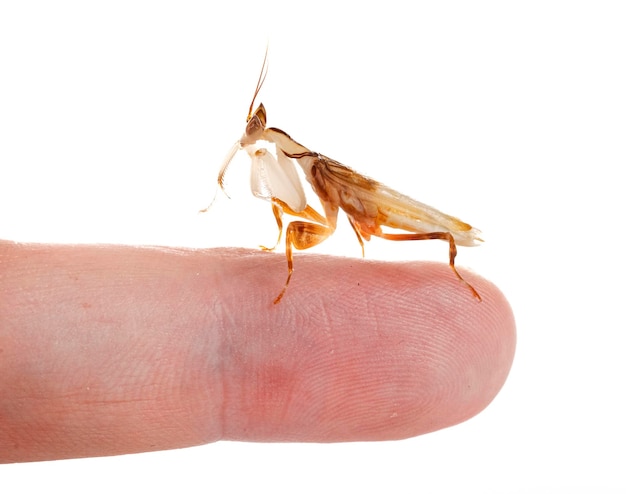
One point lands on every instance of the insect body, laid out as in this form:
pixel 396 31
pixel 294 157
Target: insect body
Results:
pixel 369 205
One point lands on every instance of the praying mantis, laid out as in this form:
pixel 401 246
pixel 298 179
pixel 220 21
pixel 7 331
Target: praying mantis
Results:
pixel 368 204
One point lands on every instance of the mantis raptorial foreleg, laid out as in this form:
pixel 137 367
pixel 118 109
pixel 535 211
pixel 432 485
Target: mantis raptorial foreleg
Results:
pixel 278 216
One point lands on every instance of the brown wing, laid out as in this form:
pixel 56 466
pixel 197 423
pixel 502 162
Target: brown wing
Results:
pixel 371 204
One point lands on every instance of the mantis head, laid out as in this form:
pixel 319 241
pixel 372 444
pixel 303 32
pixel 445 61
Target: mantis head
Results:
pixel 255 126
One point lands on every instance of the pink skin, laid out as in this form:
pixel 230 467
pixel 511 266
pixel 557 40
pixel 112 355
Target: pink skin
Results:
pixel 108 350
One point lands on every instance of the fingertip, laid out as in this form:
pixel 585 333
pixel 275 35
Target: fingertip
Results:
pixel 360 350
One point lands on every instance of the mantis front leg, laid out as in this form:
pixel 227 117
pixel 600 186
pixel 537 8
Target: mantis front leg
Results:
pixel 278 216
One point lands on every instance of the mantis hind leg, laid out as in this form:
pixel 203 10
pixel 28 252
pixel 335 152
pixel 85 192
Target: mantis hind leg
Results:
pixel 431 236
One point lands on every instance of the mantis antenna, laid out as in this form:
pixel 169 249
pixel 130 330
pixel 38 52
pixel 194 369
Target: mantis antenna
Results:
pixel 259 83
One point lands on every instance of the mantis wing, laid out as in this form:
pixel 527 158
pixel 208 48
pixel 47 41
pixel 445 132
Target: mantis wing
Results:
pixel 373 204
pixel 271 178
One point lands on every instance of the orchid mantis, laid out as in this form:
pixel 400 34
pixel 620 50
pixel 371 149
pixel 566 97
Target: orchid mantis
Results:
pixel 368 204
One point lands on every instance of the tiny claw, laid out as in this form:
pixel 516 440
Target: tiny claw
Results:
pixel 282 292
pixel 210 204
pixel 474 292
pixel 467 284
pixel 280 296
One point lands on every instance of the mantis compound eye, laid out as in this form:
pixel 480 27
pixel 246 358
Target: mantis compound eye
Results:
pixel 254 127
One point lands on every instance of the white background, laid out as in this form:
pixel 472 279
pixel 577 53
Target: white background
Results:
pixel 114 120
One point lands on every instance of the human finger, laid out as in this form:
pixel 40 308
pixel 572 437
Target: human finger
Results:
pixel 111 350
